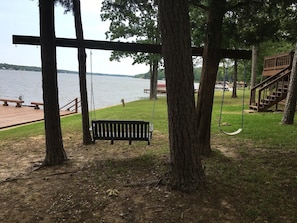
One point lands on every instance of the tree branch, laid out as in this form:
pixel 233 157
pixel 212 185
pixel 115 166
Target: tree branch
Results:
pixel 243 3
pixel 198 4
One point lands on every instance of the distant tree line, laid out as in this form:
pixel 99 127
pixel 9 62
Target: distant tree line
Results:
pixel 161 74
pixel 4 66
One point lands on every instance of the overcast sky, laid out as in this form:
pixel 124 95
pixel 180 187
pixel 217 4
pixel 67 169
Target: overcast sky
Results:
pixel 21 17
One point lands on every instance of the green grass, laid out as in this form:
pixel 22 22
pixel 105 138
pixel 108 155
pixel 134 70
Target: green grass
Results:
pixel 261 128
pixel 21 132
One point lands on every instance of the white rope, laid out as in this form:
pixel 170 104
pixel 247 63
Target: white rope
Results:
pixel 93 116
pixel 153 115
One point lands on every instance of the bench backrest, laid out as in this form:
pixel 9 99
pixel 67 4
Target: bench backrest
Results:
pixel 121 130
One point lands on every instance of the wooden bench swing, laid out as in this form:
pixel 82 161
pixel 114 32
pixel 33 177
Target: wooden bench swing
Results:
pixel 131 130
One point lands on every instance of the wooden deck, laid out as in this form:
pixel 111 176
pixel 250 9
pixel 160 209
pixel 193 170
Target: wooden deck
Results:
pixel 13 116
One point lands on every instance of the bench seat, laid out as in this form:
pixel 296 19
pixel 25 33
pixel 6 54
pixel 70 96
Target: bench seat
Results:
pixel 36 104
pixel 18 102
pixel 129 130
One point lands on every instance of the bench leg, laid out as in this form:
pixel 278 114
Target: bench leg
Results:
pixel 18 105
pixel 5 103
pixel 36 107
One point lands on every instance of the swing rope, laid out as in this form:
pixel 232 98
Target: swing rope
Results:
pixel 93 112
pixel 153 115
pixel 222 104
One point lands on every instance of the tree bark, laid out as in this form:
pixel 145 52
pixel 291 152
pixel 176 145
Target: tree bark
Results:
pixel 254 71
pixel 254 65
pixel 55 153
pixel 186 169
pixel 154 79
pixel 234 90
pixel 87 139
pixel 211 59
pixel 290 107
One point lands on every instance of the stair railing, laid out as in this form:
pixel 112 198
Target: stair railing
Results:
pixel 265 89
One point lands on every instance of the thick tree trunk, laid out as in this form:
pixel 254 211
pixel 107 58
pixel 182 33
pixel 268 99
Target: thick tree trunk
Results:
pixel 211 59
pixel 186 169
pixel 55 153
pixel 234 91
pixel 87 139
pixel 290 107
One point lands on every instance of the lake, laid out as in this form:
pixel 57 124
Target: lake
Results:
pixel 107 90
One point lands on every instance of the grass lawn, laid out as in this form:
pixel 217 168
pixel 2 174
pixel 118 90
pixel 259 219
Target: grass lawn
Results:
pixel 251 177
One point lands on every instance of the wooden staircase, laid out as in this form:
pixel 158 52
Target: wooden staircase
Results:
pixel 274 89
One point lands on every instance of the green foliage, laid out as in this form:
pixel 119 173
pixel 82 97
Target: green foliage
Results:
pixel 267 24
pixel 198 24
pixel 255 22
pixel 249 22
pixel 135 20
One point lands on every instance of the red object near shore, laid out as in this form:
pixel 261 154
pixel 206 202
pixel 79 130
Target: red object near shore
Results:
pixel 161 88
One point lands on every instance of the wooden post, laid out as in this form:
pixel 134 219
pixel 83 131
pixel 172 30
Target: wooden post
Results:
pixel 76 105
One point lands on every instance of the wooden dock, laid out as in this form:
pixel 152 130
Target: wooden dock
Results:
pixel 13 116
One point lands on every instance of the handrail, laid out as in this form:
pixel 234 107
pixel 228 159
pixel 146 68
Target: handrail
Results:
pixel 279 60
pixel 268 84
pixel 74 103
pixel 275 63
pixel 276 81
pixel 270 78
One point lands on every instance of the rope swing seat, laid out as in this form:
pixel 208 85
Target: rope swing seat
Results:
pixel 239 130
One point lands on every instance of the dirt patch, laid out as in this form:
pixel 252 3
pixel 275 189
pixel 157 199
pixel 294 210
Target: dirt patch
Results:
pixel 115 184
pixel 229 152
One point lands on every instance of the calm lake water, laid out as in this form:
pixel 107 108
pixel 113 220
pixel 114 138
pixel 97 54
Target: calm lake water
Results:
pixel 107 90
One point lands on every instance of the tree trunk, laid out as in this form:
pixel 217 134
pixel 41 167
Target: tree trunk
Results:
pixel 186 169
pixel 55 153
pixel 254 71
pixel 234 91
pixel 290 107
pixel 154 79
pixel 211 59
pixel 87 139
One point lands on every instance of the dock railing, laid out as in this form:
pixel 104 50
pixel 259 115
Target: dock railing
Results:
pixel 72 106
